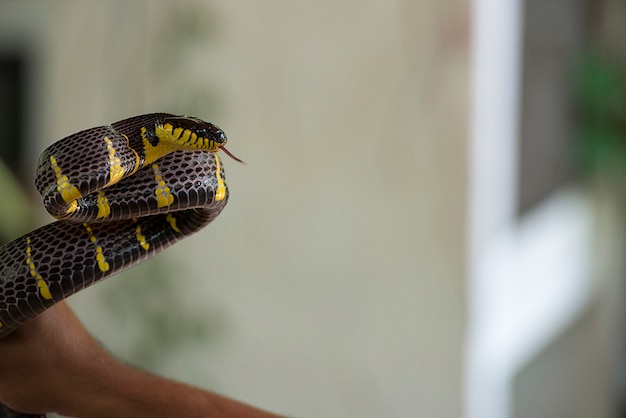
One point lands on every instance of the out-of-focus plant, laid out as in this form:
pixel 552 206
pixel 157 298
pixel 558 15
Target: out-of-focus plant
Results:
pixel 601 112
pixel 154 308
pixel 16 215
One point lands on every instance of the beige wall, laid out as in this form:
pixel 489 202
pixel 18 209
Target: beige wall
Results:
pixel 333 283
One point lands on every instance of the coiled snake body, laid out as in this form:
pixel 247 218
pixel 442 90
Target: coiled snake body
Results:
pixel 122 193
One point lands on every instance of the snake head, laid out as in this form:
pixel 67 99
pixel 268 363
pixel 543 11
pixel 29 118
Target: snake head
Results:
pixel 188 130
pixel 194 133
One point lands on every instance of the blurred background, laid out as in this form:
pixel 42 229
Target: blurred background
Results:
pixel 430 221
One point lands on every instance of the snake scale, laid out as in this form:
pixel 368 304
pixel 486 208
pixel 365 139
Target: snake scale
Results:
pixel 121 193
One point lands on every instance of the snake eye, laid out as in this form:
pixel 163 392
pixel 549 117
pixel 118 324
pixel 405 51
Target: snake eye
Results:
pixel 212 132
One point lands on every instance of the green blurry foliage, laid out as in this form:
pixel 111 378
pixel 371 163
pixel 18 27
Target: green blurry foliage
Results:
pixel 16 215
pixel 600 86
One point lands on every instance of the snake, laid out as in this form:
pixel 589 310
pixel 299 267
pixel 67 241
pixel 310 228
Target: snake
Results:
pixel 121 193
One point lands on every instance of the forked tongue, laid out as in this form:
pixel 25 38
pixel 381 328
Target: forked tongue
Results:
pixel 231 155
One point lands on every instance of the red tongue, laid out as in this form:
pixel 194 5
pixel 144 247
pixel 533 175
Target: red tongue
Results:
pixel 231 155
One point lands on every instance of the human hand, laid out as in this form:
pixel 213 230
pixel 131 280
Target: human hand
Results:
pixel 44 359
pixel 52 364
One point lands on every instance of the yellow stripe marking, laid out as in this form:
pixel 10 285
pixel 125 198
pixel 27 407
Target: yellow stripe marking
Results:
pixel 164 147
pixel 220 193
pixel 175 133
pixel 137 158
pixel 116 171
pixel 69 193
pixel 172 220
pixel 104 209
pixel 162 192
pixel 41 283
pixel 171 138
pixel 103 265
pixel 141 238
pixel 1 324
pixel 73 206
pixel 184 137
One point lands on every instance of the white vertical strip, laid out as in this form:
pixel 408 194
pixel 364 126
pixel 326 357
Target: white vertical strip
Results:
pixel 496 27
pixel 494 113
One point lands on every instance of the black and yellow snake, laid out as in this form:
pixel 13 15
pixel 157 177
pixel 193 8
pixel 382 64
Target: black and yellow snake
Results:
pixel 121 193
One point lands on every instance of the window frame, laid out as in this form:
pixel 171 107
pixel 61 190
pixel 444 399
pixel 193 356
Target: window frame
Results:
pixel 528 275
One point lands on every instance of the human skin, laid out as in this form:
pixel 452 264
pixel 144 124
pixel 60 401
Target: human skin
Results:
pixel 52 364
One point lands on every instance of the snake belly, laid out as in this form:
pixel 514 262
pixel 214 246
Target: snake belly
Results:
pixel 121 193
